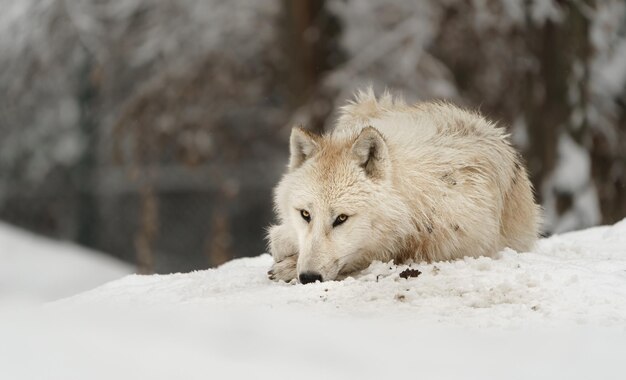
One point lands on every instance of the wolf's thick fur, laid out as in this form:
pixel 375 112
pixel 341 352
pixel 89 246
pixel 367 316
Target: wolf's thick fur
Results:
pixel 425 182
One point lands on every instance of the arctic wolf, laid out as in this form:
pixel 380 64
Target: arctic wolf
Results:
pixel 426 182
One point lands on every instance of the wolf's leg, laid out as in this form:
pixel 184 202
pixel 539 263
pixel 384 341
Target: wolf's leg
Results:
pixel 282 242
pixel 284 270
pixel 284 250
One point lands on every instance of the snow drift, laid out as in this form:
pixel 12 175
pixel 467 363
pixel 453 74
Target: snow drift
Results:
pixel 37 269
pixel 571 279
pixel 556 312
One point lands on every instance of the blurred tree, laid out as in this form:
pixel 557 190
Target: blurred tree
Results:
pixel 311 49
pixel 87 220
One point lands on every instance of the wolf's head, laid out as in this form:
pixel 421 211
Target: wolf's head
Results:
pixel 338 199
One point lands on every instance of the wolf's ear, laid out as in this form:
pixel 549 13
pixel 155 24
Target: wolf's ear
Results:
pixel 371 153
pixel 302 145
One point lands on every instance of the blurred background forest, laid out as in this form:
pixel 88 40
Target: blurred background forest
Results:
pixel 154 130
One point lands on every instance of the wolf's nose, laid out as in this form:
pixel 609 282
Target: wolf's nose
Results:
pixel 307 277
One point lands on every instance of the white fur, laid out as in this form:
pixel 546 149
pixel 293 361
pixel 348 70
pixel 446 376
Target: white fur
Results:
pixel 428 182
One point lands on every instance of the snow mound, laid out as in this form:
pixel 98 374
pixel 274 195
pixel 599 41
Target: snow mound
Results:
pixel 33 268
pixel 556 313
pixel 570 279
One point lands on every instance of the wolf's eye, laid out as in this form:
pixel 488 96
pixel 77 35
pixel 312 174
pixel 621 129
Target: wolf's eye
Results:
pixel 340 219
pixel 305 215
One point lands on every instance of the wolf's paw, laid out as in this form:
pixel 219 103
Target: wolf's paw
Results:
pixel 284 270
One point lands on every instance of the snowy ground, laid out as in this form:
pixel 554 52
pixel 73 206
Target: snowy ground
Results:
pixel 35 269
pixel 571 279
pixel 559 312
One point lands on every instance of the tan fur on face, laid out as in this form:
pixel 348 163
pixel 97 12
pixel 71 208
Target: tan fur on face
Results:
pixel 425 182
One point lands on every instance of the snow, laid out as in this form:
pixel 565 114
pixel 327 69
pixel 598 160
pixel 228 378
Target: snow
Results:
pixel 545 10
pixel 612 73
pixel 571 176
pixel 195 343
pixel 607 75
pixel 574 167
pixel 35 269
pixel 556 312
pixel 571 279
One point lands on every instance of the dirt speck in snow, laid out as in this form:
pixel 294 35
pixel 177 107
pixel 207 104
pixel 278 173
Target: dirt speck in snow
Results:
pixel 410 273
